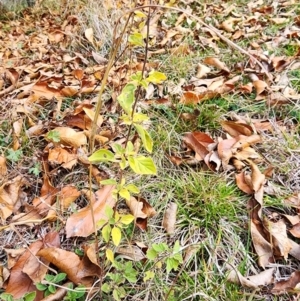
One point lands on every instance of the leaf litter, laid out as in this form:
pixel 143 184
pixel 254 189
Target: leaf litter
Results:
pixel 44 82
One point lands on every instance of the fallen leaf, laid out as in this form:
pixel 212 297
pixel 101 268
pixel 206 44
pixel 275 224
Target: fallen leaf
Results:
pixel 280 241
pixel 3 168
pixel 133 253
pixel 242 184
pixel 191 97
pixel 235 129
pixel 89 34
pixel 78 271
pixel 81 222
pixel 11 196
pixel 212 61
pixel 288 285
pixel 70 137
pixel 63 157
pixel 169 218
pixel 255 281
pixel 141 210
pixel 198 142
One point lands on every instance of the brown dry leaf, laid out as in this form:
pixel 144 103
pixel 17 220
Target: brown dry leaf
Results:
pixel 4 274
pixel 133 253
pixel 295 231
pixel 3 167
pixel 70 137
pixel 262 279
pixel 242 183
pixel 213 161
pixel 11 196
pixel 225 150
pixel 37 269
pixel 13 256
pixel 31 214
pixel 235 129
pixel 89 34
pixel 43 90
pixel 260 87
pixel 212 61
pixel 280 241
pixel 198 142
pixel 245 141
pixel 257 178
pixel 202 71
pixel 293 200
pixel 59 155
pixel 46 200
pixel 78 271
pixel 19 282
pixel 141 210
pixel 285 286
pixel 190 97
pixel 91 114
pixel 169 218
pixel 81 222
pixel 78 73
pixel 262 247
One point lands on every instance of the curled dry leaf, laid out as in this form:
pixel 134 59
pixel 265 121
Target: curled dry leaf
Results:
pixel 46 200
pixel 202 71
pixel 280 241
pixel 169 218
pixel 3 167
pixel 70 137
pixel 141 210
pixel 190 97
pixel 198 142
pixel 133 253
pixel 29 270
pixel 62 156
pixel 257 177
pixel 79 271
pixel 242 183
pixel 262 279
pixel 235 129
pixel 295 231
pixel 285 286
pixel 11 196
pixel 81 222
pixel 212 61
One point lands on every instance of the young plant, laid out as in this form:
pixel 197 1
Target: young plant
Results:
pixel 76 294
pixel 26 297
pixel 162 253
pixel 50 288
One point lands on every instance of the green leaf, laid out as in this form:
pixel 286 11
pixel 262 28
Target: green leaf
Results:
pixel 139 117
pixel 59 277
pixel 149 275
pixel 116 235
pixel 110 255
pixel 108 182
pixel 127 219
pixel 51 289
pixel 172 264
pixel 80 291
pixel 118 149
pixel 124 193
pixel 29 296
pixel 130 149
pixel 49 277
pixel 53 136
pixel 41 287
pixel 176 248
pixel 156 77
pixel 14 155
pixel 106 232
pixel 6 297
pixel 109 211
pixel 146 139
pixel 161 247
pixel 127 97
pixel 132 188
pixel 142 165
pixel 105 288
pixel 178 257
pixel 136 39
pixel 102 155
pixel 151 254
pixel 137 77
pixel 116 295
pixel 100 224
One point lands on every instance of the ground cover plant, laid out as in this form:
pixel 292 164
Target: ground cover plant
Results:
pixel 150 151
